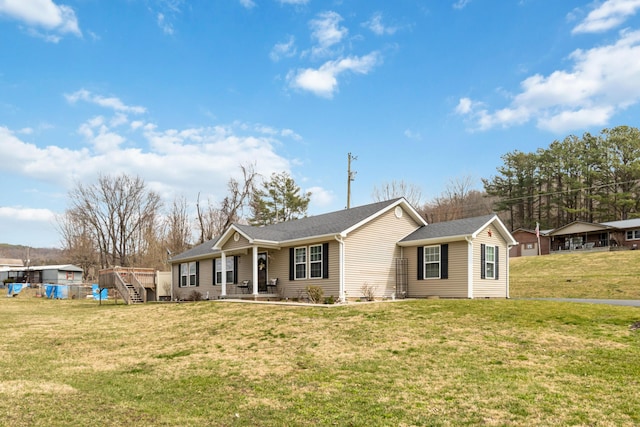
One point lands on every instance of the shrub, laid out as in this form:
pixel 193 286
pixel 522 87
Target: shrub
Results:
pixel 330 300
pixel 315 294
pixel 195 296
pixel 368 291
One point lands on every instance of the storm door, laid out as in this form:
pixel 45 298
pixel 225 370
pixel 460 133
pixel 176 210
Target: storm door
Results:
pixel 262 272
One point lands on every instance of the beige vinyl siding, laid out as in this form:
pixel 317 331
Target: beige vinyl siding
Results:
pixel 278 268
pixel 297 288
pixel 245 272
pixel 205 281
pixel 371 252
pixel 490 288
pixel 175 278
pixel 453 287
pixel 231 244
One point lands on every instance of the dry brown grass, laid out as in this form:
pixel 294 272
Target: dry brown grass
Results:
pixel 432 362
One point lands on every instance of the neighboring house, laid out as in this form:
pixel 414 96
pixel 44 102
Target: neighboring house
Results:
pixel 581 235
pixel 529 244
pixel 626 232
pixel 55 274
pixel 385 246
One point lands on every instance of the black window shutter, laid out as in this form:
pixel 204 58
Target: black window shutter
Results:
pixel 214 271
pixel 444 261
pixel 325 260
pixel 420 263
pixel 235 270
pixel 497 258
pixel 197 273
pixel 179 275
pixel 291 264
pixel 482 261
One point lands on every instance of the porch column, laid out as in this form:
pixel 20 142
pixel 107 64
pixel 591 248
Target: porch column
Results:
pixel 223 276
pixel 254 270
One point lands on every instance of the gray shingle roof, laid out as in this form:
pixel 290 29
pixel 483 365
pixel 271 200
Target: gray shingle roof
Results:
pixel 318 225
pixel 458 227
pixel 625 223
pixel 201 250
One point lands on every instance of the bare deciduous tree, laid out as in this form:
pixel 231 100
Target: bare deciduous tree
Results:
pixel 211 220
pixel 458 200
pixel 177 224
pixel 119 213
pixel 78 244
pixel 395 189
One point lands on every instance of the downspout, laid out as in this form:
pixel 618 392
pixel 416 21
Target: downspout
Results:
pixel 341 291
pixel 223 274
pixel 469 267
pixel 509 268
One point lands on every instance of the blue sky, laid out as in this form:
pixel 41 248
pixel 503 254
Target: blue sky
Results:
pixel 184 92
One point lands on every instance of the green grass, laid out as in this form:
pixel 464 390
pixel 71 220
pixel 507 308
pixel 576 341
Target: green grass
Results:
pixel 409 363
pixel 608 275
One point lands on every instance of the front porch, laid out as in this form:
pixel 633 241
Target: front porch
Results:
pixel 246 291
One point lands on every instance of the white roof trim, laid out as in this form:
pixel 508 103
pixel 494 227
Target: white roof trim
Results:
pixel 503 230
pixel 402 201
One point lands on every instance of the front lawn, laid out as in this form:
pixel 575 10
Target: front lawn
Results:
pixel 427 362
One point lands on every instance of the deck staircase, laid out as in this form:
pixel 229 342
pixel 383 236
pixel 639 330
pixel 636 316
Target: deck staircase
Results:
pixel 134 296
pixel 133 284
pixel 130 287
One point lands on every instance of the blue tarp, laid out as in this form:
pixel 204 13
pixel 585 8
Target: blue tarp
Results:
pixel 14 289
pixel 56 291
pixel 96 292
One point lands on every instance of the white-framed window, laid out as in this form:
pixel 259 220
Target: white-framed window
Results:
pixel 529 246
pixel 432 262
pixel 633 234
pixel 188 274
pixel 301 263
pixel 490 262
pixel 315 261
pixel 229 268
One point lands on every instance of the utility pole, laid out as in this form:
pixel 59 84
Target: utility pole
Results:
pixel 351 175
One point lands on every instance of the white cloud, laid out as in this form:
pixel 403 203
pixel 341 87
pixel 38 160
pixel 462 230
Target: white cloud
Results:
pixel 110 102
pixel 166 27
pixel 412 135
pixel 295 2
pixel 464 106
pixel 285 49
pixel 461 4
pixel 327 32
pixel 26 214
pixel 175 161
pixel 377 27
pixel 99 134
pixel 607 15
pixel 248 4
pixel 602 81
pixel 324 80
pixel 45 14
pixel 321 197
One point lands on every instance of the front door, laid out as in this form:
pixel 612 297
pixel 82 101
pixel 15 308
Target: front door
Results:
pixel 262 272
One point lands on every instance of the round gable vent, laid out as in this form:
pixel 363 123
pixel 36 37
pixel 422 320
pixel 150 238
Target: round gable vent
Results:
pixel 399 212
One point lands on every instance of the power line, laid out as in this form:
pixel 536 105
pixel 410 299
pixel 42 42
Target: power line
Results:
pixel 568 191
